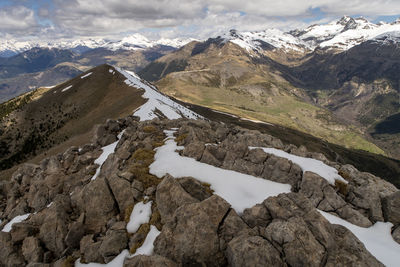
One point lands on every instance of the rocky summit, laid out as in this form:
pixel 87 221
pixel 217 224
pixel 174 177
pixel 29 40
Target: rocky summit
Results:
pixel 195 193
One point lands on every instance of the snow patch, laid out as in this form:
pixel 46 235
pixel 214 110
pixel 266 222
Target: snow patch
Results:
pixel 307 164
pixel 86 75
pixel 107 150
pixel 66 88
pixel 141 214
pixel 156 101
pixel 240 190
pixel 377 239
pixel 148 245
pixel 16 219
pixel 118 261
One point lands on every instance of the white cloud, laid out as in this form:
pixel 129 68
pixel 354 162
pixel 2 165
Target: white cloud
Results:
pixel 17 19
pixel 173 18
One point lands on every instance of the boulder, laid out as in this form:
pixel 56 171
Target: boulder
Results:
pixel 98 204
pixel 90 250
pixel 113 243
pixel 169 196
pixel 396 234
pixel 391 208
pixel 191 236
pixel 32 250
pixel 74 235
pixel 258 215
pixel 252 251
pixel 122 191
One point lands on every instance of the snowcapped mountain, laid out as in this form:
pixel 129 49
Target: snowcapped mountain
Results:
pixel 340 35
pixel 267 39
pixel 344 33
pixel 132 42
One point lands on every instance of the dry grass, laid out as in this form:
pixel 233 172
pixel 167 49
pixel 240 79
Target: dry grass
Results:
pixel 207 186
pixel 144 229
pixel 342 187
pixel 69 261
pixel 149 129
pixel 180 138
pixel 127 212
pixel 140 168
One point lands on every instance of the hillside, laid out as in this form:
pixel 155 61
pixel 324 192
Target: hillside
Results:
pixel 223 76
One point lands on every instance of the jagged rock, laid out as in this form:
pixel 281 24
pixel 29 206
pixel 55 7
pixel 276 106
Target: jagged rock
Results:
pixel 307 238
pixel 299 245
pixel 53 228
pixel 191 237
pixel 90 250
pixel 127 176
pixel 233 226
pixel 258 215
pixel 102 137
pixel 122 191
pixel 311 186
pixel 169 196
pixel 148 261
pixel 252 251
pixel 396 234
pixel 22 230
pixel 74 235
pixel 99 204
pixel 391 208
pixel 324 197
pixel 194 188
pixel 138 185
pixel 32 250
pixel 8 255
pixel 282 170
pixel 194 150
pixel 353 216
pixel 113 243
pixel 366 191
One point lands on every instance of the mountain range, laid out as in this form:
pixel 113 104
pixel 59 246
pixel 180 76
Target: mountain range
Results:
pixel 106 169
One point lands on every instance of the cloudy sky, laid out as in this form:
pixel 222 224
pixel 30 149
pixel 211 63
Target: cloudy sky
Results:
pixel 54 19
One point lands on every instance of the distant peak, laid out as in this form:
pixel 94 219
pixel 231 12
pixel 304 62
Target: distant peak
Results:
pixel 344 20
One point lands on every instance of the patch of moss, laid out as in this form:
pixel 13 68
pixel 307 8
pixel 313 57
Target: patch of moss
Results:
pixel 181 138
pixel 207 186
pixel 149 129
pixel 342 187
pixel 69 261
pixel 143 230
pixel 127 212
pixel 345 175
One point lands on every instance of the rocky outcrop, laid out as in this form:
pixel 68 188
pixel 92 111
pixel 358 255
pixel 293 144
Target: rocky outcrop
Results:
pixel 73 216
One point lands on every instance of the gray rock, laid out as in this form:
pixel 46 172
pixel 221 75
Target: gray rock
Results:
pixel 113 243
pixel 233 226
pixel 396 234
pixel 391 208
pixel 22 230
pixel 252 251
pixel 99 204
pixel 258 215
pixel 90 250
pixel 194 188
pixel 149 261
pixel 191 236
pixel 122 192
pixel 169 196
pixel 194 150
pixel 283 171
pixel 74 235
pixel 32 250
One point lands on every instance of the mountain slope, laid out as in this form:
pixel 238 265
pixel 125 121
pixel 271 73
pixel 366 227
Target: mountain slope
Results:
pixel 223 76
pixel 49 120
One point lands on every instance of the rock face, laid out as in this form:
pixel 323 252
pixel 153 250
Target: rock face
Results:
pixel 74 216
